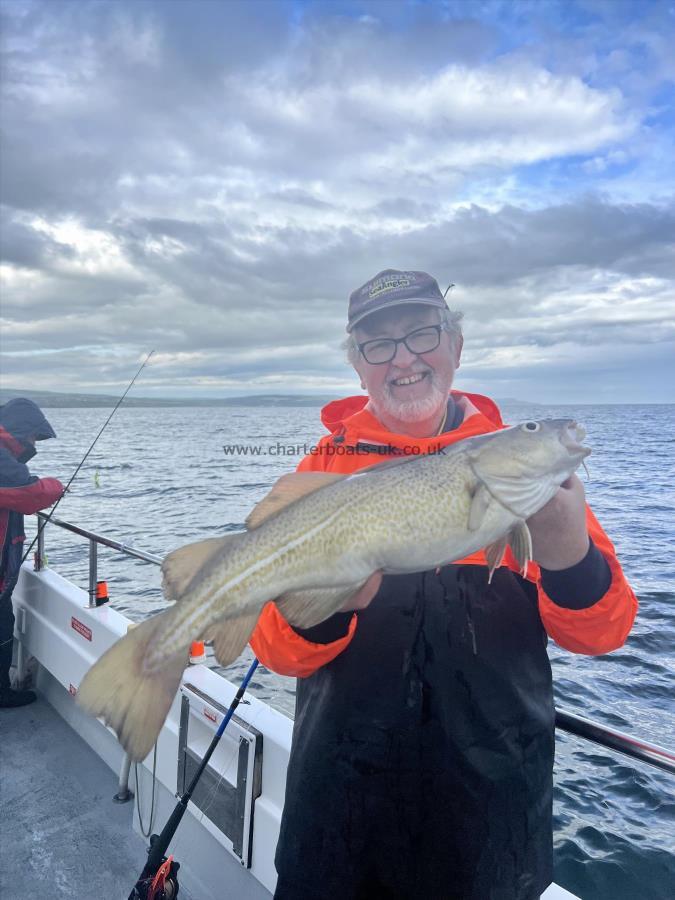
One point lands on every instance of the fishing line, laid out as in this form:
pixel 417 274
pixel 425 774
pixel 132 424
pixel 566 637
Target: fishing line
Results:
pixel 84 458
pixel 228 762
pixel 202 812
pixel 42 524
pixel 144 832
pixel 159 846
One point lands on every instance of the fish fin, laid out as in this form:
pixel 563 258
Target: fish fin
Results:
pixel 520 541
pixel 181 565
pixel 230 636
pixel 494 554
pixel 479 505
pixel 309 607
pixel 287 490
pixel 133 702
pixel 518 494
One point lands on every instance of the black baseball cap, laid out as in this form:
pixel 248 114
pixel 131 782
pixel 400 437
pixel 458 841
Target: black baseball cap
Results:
pixel 393 288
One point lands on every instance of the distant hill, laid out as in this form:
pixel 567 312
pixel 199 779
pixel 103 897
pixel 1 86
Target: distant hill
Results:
pixel 50 399
pixel 511 401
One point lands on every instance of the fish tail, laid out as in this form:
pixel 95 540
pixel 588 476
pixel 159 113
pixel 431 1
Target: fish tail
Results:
pixel 133 700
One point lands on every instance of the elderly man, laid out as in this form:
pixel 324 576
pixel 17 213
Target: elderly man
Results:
pixel 423 743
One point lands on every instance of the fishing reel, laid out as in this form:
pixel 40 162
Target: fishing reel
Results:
pixel 162 885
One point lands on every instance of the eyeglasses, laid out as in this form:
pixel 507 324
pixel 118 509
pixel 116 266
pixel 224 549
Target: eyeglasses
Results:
pixel 383 350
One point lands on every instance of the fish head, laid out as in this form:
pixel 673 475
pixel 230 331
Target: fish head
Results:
pixel 523 466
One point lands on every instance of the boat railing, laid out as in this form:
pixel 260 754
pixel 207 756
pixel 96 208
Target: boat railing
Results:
pixel 94 540
pixel 565 720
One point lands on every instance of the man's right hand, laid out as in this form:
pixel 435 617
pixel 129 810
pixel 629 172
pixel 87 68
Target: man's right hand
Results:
pixel 363 597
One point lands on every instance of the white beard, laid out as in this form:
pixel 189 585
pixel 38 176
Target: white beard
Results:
pixel 413 410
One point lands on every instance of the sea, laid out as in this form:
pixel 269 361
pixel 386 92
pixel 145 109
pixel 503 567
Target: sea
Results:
pixel 161 477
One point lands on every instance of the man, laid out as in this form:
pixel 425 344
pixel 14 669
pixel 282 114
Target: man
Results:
pixel 22 423
pixel 423 742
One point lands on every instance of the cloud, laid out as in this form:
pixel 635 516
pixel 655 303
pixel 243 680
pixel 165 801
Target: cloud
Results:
pixel 139 102
pixel 212 183
pixel 590 270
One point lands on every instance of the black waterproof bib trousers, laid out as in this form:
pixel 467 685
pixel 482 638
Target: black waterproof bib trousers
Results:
pixel 422 755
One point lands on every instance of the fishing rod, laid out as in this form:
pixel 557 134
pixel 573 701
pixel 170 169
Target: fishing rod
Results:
pixel 158 880
pixel 43 524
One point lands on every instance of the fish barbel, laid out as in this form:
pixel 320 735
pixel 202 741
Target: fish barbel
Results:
pixel 313 542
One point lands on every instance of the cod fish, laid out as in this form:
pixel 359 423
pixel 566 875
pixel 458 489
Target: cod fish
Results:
pixel 313 542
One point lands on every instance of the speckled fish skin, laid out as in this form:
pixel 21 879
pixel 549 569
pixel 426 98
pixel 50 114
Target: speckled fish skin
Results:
pixel 397 518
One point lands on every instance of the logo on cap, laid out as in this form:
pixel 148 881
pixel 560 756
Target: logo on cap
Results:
pixel 389 283
pixel 393 287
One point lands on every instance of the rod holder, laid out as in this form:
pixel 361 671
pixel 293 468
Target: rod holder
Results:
pixel 40 552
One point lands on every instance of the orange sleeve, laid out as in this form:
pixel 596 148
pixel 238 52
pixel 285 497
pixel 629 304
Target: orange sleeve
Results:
pixel 275 643
pixel 282 650
pixel 605 625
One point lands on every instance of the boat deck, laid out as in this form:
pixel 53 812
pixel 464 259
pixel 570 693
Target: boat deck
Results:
pixel 62 834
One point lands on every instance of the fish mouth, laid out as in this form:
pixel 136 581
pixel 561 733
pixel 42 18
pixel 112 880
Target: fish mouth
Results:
pixel 572 436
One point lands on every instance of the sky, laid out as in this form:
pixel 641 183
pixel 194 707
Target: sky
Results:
pixel 212 179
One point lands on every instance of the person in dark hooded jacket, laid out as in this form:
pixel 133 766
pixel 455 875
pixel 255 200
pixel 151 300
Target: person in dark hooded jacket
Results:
pixel 22 423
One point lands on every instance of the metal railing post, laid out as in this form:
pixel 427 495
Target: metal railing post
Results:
pixel 93 571
pixel 124 795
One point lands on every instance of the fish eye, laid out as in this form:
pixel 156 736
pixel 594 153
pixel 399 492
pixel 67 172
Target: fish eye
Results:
pixel 531 426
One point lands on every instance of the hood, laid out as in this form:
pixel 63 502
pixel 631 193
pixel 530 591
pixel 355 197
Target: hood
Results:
pixel 349 417
pixel 21 419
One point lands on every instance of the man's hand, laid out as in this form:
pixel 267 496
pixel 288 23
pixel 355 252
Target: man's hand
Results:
pixel 559 533
pixel 364 595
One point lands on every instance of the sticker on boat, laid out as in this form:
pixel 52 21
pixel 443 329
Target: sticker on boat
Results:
pixel 80 628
